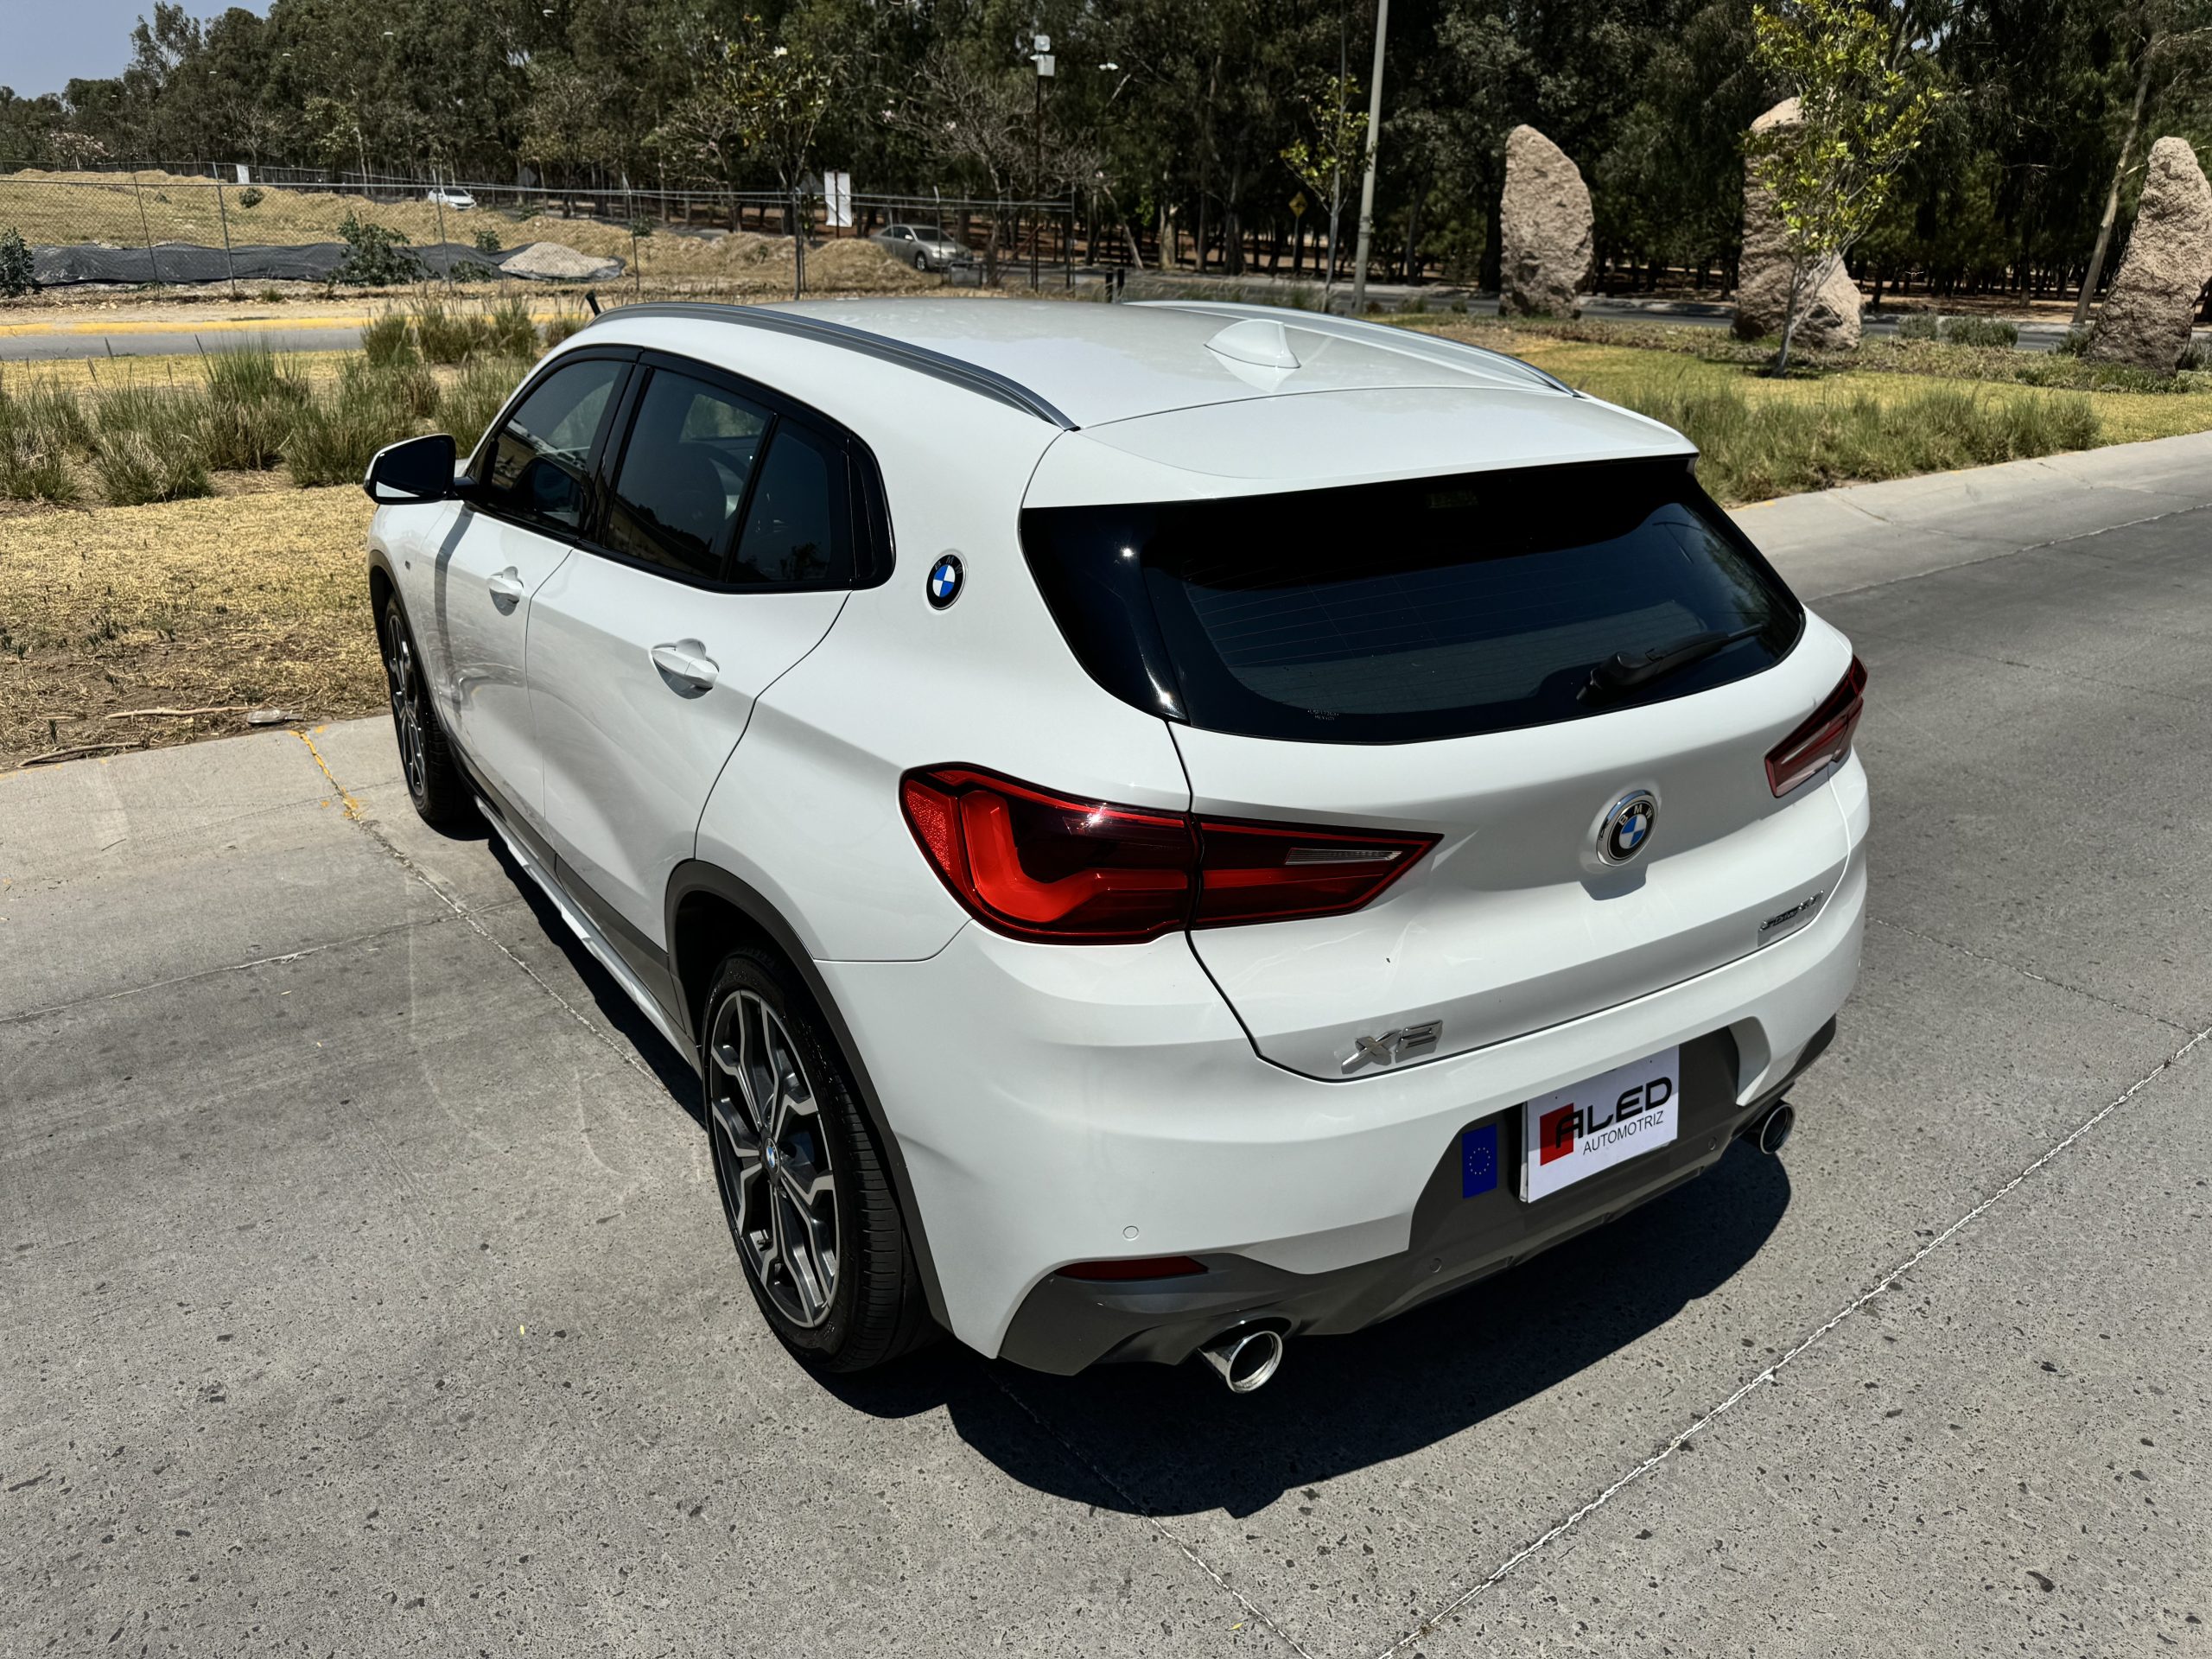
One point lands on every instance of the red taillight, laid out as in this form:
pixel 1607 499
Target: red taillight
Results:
pixel 1039 867
pixel 1825 738
pixel 1138 1267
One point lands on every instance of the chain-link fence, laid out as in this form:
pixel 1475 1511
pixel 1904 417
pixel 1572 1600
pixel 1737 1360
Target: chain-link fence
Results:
pixel 161 227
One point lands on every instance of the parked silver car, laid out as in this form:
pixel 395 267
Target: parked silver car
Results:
pixel 922 247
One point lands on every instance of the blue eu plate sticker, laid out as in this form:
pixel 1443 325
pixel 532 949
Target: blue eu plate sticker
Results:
pixel 1478 1160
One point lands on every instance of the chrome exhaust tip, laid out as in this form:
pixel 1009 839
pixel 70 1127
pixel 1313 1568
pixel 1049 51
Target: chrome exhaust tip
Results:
pixel 1245 1356
pixel 1773 1131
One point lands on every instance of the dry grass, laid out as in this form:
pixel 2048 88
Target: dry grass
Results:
pixel 1776 451
pixel 124 209
pixel 258 599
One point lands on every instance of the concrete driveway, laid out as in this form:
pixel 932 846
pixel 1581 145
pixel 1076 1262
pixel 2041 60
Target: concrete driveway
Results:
pixel 363 1288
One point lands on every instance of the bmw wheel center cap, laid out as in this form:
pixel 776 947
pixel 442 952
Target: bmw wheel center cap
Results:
pixel 943 585
pixel 1627 825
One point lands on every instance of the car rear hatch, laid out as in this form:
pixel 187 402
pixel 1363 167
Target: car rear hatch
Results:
pixel 1498 659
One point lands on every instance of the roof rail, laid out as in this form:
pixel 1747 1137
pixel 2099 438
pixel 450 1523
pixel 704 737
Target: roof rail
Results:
pixel 972 376
pixel 1436 348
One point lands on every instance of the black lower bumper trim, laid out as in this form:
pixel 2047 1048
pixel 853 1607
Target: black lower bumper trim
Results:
pixel 1065 1325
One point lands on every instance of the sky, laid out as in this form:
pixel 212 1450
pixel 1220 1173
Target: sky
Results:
pixel 44 42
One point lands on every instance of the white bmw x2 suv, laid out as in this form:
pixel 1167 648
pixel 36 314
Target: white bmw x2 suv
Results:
pixel 1162 827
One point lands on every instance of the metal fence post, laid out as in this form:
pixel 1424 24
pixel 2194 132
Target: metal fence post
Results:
pixel 229 260
pixel 798 247
pixel 438 196
pixel 153 260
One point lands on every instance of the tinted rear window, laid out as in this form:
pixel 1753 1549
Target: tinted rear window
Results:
pixel 1393 612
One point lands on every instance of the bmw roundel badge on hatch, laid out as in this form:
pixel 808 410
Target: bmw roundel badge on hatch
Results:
pixel 1627 826
pixel 943 585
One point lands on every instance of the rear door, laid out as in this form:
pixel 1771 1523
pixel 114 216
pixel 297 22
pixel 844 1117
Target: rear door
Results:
pixel 532 499
pixel 725 548
pixel 1474 658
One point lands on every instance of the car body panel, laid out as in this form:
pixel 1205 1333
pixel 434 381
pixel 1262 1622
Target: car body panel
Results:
pixel 1512 922
pixel 630 751
pixel 480 684
pixel 1058 1105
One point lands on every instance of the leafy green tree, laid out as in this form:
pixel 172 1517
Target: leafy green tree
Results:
pixel 1324 158
pixel 1829 171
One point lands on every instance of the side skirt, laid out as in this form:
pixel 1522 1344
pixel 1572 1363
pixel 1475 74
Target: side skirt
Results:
pixel 601 948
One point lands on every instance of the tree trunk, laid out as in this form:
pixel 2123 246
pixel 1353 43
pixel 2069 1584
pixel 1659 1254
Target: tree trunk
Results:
pixel 2119 177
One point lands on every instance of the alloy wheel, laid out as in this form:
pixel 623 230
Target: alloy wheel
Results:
pixel 406 687
pixel 767 1124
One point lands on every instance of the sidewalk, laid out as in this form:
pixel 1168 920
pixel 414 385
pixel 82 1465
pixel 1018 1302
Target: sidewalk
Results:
pixel 1831 542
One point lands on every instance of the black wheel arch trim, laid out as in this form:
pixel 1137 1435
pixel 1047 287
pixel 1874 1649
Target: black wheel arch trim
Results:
pixel 694 877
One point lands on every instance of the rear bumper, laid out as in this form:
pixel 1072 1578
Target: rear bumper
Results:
pixel 1057 1105
pixel 1066 1324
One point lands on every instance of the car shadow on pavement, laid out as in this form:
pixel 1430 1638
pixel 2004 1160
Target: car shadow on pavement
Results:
pixel 676 1073
pixel 1158 1441
pixel 1168 1440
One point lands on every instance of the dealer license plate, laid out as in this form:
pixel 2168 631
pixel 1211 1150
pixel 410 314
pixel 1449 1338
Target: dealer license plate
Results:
pixel 1570 1135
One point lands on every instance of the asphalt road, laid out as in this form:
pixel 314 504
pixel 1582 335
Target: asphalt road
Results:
pixel 363 1288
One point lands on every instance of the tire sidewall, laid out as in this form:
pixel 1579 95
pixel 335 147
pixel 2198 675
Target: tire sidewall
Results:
pixel 838 1118
pixel 394 619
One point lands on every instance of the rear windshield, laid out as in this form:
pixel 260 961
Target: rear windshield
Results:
pixel 1392 613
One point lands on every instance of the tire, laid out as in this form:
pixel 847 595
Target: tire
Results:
pixel 435 783
pixel 825 1251
pixel 921 262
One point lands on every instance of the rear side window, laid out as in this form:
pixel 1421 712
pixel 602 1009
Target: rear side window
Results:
pixel 798 528
pixel 684 474
pixel 1394 612
pixel 539 464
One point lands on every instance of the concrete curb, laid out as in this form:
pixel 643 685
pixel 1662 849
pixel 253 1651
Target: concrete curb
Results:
pixel 1833 541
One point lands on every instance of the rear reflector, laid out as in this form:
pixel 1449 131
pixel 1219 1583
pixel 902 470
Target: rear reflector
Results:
pixel 1141 1267
pixel 1824 739
pixel 1038 866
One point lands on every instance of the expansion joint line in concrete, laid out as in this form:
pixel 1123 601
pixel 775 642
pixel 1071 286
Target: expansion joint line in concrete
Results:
pixel 392 849
pixel 1881 1286
pixel 1259 1613
pixel 1974 955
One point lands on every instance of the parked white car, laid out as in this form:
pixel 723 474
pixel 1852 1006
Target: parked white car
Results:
pixel 1164 827
pixel 447 195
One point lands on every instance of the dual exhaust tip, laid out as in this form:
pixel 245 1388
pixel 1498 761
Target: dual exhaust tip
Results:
pixel 1771 1133
pixel 1246 1356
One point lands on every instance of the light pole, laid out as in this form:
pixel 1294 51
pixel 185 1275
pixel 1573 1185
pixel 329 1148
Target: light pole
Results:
pixel 1042 53
pixel 1366 183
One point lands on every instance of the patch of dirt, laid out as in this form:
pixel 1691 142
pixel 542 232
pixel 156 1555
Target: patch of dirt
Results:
pixel 257 598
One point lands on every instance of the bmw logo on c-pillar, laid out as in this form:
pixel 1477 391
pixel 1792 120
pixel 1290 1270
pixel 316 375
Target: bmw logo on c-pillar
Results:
pixel 943 585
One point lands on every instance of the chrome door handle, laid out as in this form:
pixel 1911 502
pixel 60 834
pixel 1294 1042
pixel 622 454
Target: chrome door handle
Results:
pixel 686 660
pixel 507 584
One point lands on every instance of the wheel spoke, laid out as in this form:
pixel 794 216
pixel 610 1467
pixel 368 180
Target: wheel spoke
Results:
pixel 796 1241
pixel 773 1163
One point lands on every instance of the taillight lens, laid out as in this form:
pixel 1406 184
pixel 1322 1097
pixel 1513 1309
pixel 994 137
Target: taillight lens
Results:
pixel 1038 866
pixel 1825 738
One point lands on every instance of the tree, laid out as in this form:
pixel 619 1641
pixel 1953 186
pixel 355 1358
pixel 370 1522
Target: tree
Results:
pixel 561 124
pixel 1321 158
pixel 1829 171
pixel 756 95
pixel 2172 32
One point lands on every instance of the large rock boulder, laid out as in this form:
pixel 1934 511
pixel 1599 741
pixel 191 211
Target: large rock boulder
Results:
pixel 2146 322
pixel 1545 245
pixel 1830 320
